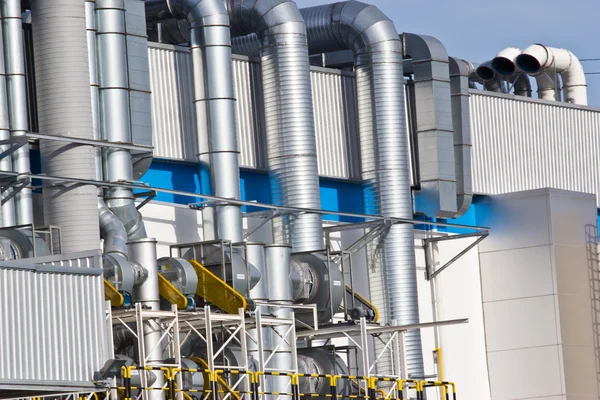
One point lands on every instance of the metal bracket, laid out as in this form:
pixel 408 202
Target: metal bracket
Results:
pixel 15 143
pixel 430 272
pixel 149 195
pixel 11 185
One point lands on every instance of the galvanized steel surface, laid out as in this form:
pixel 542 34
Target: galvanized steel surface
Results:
pixel 173 119
pixel 8 209
pixel 523 144
pixel 372 36
pixel 10 10
pixel 64 108
pixel 52 325
pixel 289 120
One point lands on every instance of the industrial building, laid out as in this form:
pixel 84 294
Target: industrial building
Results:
pixel 247 200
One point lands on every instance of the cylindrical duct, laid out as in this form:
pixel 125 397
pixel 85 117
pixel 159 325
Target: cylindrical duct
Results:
pixel 64 108
pixel 539 60
pixel 384 154
pixel 504 62
pixel 115 113
pixel 214 102
pixel 278 269
pixel 255 256
pixel 8 209
pixel 17 98
pixel 491 81
pixel 143 253
pixel 289 120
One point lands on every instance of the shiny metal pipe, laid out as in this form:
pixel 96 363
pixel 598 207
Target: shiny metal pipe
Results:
pixel 278 269
pixel 115 115
pixel 255 256
pixel 64 108
pixel 8 209
pixel 143 253
pixel 214 102
pixel 372 37
pixel 292 152
pixel 16 88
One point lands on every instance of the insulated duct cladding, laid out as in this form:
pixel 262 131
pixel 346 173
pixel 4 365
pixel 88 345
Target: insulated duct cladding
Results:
pixel 378 62
pixel 279 35
pixel 214 102
pixel 64 108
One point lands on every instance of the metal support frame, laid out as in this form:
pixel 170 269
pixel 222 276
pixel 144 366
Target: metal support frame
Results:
pixel 148 196
pixel 169 340
pixel 429 269
pixel 88 142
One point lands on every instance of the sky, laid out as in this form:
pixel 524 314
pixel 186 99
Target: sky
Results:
pixel 478 29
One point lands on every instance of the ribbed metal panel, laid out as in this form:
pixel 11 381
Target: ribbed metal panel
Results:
pixel 249 113
pixel 334 102
pixel 173 119
pixel 52 327
pixel 173 116
pixel 522 144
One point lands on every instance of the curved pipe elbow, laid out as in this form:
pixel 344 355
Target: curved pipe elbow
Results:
pixel 200 12
pixel 112 230
pixel 131 219
pixel 539 60
pixel 504 62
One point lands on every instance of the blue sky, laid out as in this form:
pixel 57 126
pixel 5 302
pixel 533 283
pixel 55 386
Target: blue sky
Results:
pixel 477 29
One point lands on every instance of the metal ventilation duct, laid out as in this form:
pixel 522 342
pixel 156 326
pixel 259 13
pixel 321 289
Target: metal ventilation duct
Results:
pixel 289 119
pixel 10 10
pixel 504 65
pixel 115 112
pixel 459 84
pixel 8 209
pixel 539 60
pixel 64 108
pixel 488 77
pixel 214 100
pixel 384 154
pixel 437 196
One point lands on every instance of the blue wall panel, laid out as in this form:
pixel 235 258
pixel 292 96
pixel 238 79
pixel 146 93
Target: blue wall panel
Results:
pixel 336 195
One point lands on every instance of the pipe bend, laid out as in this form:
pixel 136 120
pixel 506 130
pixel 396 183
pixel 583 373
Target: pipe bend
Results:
pixel 111 230
pixel 200 12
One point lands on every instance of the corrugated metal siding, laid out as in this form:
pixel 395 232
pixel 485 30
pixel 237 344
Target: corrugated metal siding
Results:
pixel 173 118
pixel 336 127
pixel 530 144
pixel 52 325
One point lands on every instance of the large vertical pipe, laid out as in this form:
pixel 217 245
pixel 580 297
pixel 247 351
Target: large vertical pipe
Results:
pixel 289 120
pixel 17 99
pixel 255 256
pixel 111 228
pixel 115 115
pixel 143 253
pixel 8 209
pixel 278 269
pixel 214 102
pixel 384 154
pixel 64 108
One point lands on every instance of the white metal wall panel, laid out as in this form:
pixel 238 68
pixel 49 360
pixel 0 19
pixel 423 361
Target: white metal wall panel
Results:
pixel 528 144
pixel 52 324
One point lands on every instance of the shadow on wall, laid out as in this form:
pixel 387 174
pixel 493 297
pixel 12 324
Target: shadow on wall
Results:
pixel 591 238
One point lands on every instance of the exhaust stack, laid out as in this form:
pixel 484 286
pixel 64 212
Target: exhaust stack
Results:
pixel 539 60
